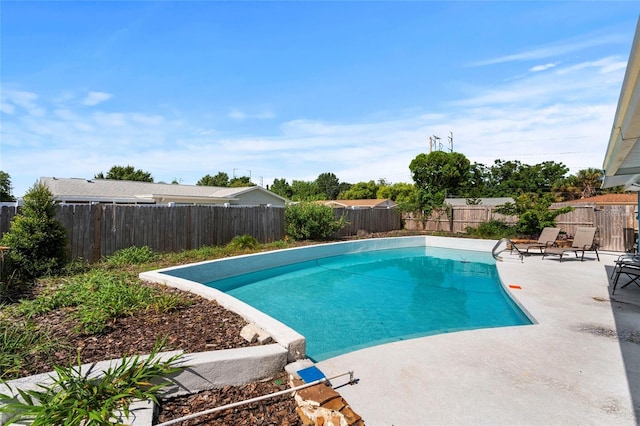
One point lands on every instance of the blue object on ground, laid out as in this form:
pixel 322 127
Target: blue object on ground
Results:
pixel 310 374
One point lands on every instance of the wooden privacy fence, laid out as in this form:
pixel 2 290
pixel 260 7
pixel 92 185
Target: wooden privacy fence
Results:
pixel 100 230
pixel 456 219
pixel 368 220
pixel 95 231
pixel 612 221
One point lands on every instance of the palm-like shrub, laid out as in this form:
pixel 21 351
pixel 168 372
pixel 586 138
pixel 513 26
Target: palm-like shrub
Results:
pixel 79 397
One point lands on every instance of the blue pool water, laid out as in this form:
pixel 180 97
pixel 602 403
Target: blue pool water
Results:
pixel 353 301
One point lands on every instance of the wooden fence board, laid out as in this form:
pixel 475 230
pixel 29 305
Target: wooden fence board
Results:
pixel 367 220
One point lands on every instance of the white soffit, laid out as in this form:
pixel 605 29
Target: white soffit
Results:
pixel 622 160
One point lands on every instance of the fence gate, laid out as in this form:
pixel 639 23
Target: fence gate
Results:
pixel 612 222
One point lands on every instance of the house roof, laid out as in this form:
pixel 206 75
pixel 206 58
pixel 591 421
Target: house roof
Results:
pixel 123 191
pixel 622 160
pixel 365 203
pixel 495 201
pixel 604 199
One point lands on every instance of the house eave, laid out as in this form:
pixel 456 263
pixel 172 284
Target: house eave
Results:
pixel 622 160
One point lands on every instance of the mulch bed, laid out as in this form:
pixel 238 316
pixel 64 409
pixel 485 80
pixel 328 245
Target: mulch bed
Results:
pixel 202 326
pixel 279 410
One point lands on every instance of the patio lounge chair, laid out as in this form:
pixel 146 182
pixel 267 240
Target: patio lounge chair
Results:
pixel 584 240
pixel 625 259
pixel 630 269
pixel 547 238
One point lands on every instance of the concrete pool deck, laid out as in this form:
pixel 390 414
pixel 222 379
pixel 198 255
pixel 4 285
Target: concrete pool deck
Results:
pixel 579 364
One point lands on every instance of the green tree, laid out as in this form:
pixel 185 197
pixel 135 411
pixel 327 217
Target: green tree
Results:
pixel 440 171
pixel 566 189
pixel 394 191
pixel 241 181
pixel 533 213
pixel 343 187
pixel 512 178
pixel 125 173
pixel 590 181
pixel 478 179
pixel 360 191
pixel 329 185
pixel 503 179
pixel 305 191
pixel 5 187
pixel 584 184
pixel 37 239
pixel 221 179
pixel 405 195
pixel 281 187
pixel 438 175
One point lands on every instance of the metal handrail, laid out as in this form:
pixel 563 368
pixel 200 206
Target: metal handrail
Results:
pixel 505 240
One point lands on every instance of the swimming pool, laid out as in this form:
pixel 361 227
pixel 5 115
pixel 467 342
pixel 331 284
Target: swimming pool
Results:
pixel 368 294
pixel 352 301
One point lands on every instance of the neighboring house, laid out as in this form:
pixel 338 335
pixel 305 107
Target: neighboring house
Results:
pixel 360 204
pixel 83 191
pixel 602 200
pixel 497 201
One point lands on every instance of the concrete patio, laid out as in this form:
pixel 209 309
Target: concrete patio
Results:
pixel 579 364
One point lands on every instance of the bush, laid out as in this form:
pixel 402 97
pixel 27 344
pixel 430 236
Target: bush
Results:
pixel 311 221
pixel 132 256
pixel 493 229
pixel 36 239
pixel 242 242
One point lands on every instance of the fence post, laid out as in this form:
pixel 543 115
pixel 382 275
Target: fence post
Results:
pixel 97 233
pixel 188 230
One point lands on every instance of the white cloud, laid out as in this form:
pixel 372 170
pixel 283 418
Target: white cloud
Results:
pixel 27 101
pixel 95 98
pixel 237 114
pixel 555 49
pixel 65 114
pixel 588 81
pixel 7 108
pixel 609 64
pixel 147 120
pixel 544 67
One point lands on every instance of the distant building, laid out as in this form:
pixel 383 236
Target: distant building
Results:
pixel 497 201
pixel 84 191
pixel 361 204
pixel 602 200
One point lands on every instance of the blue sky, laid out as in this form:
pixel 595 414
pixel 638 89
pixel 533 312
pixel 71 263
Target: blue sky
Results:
pixel 294 89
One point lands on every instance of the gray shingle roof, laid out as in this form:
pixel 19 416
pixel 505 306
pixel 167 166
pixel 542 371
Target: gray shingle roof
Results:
pixel 69 189
pixel 496 201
